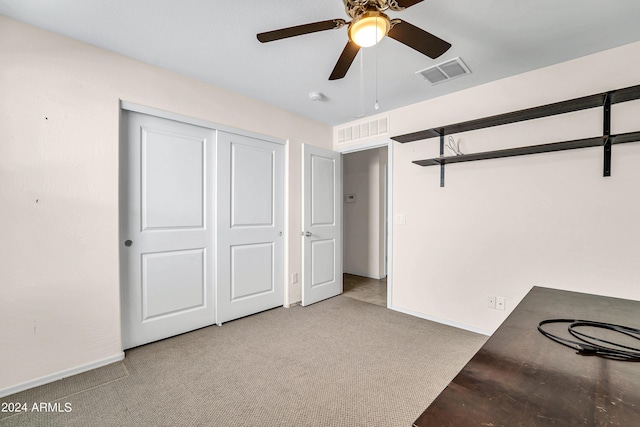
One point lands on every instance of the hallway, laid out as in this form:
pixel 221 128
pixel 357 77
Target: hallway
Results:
pixel 365 289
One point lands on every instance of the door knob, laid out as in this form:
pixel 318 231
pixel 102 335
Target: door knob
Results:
pixel 128 243
pixel 308 233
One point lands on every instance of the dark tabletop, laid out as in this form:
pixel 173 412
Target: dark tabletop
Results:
pixel 522 378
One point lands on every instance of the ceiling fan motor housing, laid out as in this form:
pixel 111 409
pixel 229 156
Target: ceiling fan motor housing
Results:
pixel 356 8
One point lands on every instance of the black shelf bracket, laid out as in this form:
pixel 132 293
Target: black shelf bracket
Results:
pixel 441 164
pixel 606 132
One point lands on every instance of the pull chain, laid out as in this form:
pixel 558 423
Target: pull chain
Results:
pixel 376 105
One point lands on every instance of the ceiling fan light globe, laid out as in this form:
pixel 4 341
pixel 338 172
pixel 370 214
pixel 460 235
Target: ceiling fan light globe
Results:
pixel 369 29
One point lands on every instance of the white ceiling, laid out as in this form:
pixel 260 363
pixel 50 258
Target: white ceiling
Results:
pixel 215 41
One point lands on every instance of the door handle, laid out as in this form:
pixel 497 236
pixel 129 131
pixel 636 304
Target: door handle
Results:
pixel 128 243
pixel 308 233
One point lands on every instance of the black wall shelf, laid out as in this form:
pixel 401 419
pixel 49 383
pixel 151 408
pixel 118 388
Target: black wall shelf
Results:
pixel 532 149
pixel 604 100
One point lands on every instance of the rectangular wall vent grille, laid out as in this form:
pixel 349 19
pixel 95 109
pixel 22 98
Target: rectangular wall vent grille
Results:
pixel 363 130
pixel 444 72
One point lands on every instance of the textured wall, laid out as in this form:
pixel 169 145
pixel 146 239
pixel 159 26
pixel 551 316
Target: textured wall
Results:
pixel 59 121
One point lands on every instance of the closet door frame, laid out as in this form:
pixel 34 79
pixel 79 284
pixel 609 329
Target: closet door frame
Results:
pixel 129 106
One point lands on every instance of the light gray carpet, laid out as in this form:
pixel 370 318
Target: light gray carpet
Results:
pixel 340 362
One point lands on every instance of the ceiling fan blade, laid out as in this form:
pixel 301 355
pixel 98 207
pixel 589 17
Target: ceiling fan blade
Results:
pixel 299 30
pixel 344 62
pixel 407 3
pixel 418 39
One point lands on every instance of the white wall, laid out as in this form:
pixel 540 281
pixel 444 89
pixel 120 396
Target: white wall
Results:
pixel 383 159
pixel 364 219
pixel 501 226
pixel 59 121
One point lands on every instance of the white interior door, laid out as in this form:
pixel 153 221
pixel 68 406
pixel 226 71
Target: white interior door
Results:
pixel 250 226
pixel 322 224
pixel 166 228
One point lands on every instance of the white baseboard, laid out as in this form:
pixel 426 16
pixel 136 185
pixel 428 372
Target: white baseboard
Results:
pixel 60 375
pixel 443 321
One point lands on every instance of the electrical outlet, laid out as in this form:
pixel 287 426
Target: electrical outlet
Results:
pixel 500 303
pixel 491 302
pixel 294 278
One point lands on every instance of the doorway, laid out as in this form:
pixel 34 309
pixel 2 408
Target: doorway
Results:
pixel 365 188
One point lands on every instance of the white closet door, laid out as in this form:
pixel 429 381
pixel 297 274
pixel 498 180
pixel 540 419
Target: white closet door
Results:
pixel 322 224
pixel 250 263
pixel 166 229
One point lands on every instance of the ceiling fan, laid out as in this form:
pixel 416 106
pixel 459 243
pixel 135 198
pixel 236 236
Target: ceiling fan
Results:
pixel 368 26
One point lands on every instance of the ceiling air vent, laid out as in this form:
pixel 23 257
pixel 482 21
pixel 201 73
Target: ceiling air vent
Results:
pixel 363 130
pixel 445 71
